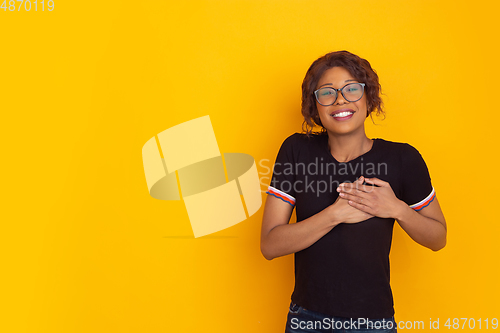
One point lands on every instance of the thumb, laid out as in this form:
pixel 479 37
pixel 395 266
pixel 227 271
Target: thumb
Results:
pixel 377 182
pixel 360 180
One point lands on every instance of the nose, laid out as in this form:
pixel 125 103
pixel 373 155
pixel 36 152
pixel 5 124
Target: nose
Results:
pixel 340 99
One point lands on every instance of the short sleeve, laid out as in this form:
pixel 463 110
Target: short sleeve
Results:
pixel 283 179
pixel 417 189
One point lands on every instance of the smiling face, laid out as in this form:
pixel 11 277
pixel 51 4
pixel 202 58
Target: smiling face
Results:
pixel 342 117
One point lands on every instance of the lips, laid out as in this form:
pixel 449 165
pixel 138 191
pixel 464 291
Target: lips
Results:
pixel 343 114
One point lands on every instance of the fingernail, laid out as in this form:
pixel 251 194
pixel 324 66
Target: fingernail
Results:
pixel 338 189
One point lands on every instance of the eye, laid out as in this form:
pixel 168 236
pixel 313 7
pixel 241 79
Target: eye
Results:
pixel 326 92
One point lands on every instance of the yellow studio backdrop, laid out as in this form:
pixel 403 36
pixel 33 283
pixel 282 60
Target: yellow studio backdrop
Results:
pixel 84 246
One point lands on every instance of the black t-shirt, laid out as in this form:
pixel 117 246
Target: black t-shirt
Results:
pixel 346 272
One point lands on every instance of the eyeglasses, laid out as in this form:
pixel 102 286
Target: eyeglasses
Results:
pixel 352 92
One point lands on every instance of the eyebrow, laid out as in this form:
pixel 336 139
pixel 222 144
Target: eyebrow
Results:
pixel 330 84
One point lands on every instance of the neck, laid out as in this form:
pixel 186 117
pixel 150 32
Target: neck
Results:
pixel 345 148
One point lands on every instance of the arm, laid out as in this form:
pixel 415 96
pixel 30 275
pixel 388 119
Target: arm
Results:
pixel 426 226
pixel 278 238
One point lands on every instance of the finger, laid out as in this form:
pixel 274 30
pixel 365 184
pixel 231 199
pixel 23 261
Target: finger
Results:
pixel 359 180
pixel 377 182
pixel 346 196
pixel 358 184
pixel 359 197
pixel 361 207
pixel 350 188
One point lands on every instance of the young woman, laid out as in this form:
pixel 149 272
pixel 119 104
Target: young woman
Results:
pixel 347 190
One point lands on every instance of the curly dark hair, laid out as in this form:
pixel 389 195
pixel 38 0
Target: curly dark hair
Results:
pixel 358 67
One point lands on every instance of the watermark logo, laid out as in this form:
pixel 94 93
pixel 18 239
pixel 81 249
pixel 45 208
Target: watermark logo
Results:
pixel 318 177
pixel 218 190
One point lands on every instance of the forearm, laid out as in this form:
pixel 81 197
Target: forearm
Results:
pixel 290 238
pixel 424 230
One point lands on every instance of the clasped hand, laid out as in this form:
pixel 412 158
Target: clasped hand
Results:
pixel 377 200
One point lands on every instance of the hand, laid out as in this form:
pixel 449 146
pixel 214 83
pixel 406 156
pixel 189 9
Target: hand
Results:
pixel 345 213
pixel 378 201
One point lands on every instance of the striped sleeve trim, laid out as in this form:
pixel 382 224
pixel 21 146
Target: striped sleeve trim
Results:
pixel 281 195
pixel 424 203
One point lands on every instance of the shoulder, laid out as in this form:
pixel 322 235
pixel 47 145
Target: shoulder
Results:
pixel 300 147
pixel 406 155
pixel 298 141
pixel 398 147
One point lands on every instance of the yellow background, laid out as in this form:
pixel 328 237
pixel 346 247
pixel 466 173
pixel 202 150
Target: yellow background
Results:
pixel 86 249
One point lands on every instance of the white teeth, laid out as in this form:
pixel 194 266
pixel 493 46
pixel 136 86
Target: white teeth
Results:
pixel 343 114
